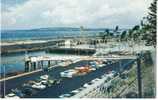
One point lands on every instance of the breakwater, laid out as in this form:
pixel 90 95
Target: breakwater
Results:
pixel 77 51
pixel 22 47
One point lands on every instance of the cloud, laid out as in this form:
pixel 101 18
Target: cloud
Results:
pixel 73 13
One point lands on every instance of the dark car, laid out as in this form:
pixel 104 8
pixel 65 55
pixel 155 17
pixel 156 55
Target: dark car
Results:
pixel 18 92
pixel 28 91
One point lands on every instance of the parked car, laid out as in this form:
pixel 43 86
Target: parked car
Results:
pixel 64 95
pixel 39 86
pixel 85 85
pixel 28 91
pixel 44 77
pixel 12 95
pixel 75 91
pixel 68 73
pixel 18 92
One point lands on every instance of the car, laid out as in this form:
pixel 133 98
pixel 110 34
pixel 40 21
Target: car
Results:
pixel 94 80
pixel 26 85
pixel 75 91
pixel 93 69
pixel 44 77
pixel 44 82
pixel 97 79
pixel 101 65
pixel 18 92
pixel 90 83
pixel 68 73
pixel 39 86
pixel 12 95
pixel 92 63
pixel 50 83
pixel 81 88
pixel 28 91
pixel 85 85
pixel 72 94
pixel 64 95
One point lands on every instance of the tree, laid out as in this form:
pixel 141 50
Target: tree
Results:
pixel 136 32
pixel 136 28
pixel 151 18
pixel 116 28
pixel 123 35
pixel 130 33
pixel 107 31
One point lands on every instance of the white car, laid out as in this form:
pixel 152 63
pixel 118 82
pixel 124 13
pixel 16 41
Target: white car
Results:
pixel 68 73
pixel 44 81
pixel 101 65
pixel 11 95
pixel 64 95
pixel 85 85
pixel 97 79
pixel 44 77
pixel 38 86
pixel 75 91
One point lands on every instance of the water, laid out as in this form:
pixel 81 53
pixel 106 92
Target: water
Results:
pixel 44 34
pixel 16 62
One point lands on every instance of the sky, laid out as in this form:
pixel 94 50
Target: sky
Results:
pixel 29 14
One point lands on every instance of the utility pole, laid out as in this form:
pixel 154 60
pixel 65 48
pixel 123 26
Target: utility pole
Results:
pixel 139 78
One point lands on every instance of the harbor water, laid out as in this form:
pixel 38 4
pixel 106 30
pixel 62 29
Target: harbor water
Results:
pixel 16 62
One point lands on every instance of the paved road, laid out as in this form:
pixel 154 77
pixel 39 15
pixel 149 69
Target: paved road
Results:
pixel 66 85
